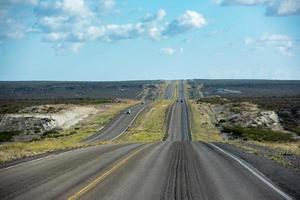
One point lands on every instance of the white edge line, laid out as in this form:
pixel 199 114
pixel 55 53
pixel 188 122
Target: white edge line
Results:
pixel 246 165
pixel 35 160
pixel 45 157
pixel 130 123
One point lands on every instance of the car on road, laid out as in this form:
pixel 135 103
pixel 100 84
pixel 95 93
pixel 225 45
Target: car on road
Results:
pixel 128 112
pixel 181 101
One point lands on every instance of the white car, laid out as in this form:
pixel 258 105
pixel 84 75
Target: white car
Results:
pixel 128 112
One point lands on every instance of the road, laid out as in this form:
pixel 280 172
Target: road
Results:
pixel 118 125
pixel 178 129
pixel 169 90
pixel 163 170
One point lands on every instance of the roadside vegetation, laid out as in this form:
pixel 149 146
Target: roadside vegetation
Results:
pixel 61 140
pixel 258 134
pixel 227 104
pixel 150 126
pixel 202 124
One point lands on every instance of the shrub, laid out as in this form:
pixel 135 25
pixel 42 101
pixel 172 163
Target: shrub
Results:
pixel 258 134
pixel 7 136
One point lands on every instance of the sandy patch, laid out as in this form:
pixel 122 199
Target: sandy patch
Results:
pixel 65 118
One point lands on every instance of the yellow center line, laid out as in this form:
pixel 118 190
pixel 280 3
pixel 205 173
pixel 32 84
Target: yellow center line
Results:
pixel 116 166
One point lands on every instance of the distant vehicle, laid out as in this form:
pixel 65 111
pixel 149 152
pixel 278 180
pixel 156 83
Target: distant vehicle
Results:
pixel 128 112
pixel 181 101
pixel 143 102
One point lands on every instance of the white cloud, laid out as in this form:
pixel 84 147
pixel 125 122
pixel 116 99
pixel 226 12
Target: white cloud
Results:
pixel 154 32
pixel 274 7
pixel 281 43
pixel 161 13
pixel 55 37
pixel 63 23
pixel 168 51
pixel 284 8
pixel 158 16
pixel 108 5
pixel 76 7
pixel 189 20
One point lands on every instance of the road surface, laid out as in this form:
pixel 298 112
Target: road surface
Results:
pixel 164 170
pixel 119 124
pixel 178 129
pixel 170 169
pixel 169 90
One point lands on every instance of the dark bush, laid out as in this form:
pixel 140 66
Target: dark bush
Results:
pixel 258 134
pixel 7 136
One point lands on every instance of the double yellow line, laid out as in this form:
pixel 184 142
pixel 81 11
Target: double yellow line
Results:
pixel 116 166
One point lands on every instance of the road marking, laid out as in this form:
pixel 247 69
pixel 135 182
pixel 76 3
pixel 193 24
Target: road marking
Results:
pixel 35 160
pixel 254 172
pixel 116 166
pixel 49 156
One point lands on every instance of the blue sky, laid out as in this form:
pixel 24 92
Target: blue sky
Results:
pixel 132 40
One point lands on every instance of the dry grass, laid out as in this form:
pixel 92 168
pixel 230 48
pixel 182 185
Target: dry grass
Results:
pixel 71 138
pixel 202 126
pixel 150 125
pixel 287 147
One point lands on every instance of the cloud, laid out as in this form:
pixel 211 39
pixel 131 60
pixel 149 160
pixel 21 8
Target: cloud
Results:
pixel 281 43
pixel 189 20
pixel 273 7
pixel 160 15
pixel 76 7
pixel 284 8
pixel 108 5
pixel 72 23
pixel 169 51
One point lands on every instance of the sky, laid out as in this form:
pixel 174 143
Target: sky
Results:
pixel 103 40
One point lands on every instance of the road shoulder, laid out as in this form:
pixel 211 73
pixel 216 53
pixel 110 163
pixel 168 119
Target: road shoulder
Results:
pixel 285 178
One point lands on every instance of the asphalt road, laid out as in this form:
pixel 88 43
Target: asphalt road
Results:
pixel 170 169
pixel 164 170
pixel 169 90
pixel 178 129
pixel 118 125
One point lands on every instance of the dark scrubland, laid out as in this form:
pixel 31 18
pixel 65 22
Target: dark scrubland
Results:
pixel 14 96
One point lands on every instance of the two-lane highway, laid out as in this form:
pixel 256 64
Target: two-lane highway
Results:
pixel 178 129
pixel 179 170
pixel 164 170
pixel 169 90
pixel 119 124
